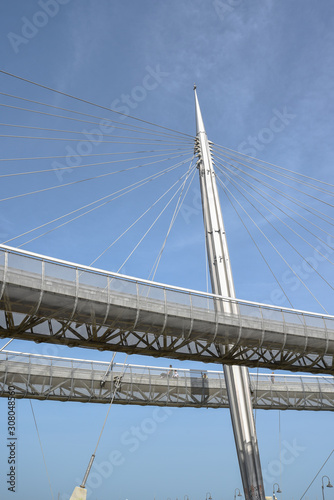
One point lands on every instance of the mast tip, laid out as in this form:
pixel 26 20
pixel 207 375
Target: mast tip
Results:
pixel 195 86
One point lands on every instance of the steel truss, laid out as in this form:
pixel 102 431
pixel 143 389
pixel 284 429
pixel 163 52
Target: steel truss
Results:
pixel 63 379
pixel 148 341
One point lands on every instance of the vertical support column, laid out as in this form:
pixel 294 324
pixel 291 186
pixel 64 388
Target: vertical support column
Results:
pixel 236 377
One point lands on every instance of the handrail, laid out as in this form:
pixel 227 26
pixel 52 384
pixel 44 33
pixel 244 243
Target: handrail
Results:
pixel 157 284
pixel 186 370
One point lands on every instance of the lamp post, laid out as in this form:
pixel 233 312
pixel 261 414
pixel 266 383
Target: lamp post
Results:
pixel 329 485
pixel 235 493
pixel 208 497
pixel 277 491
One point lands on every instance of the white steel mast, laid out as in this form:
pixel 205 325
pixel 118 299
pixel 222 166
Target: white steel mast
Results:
pixel 236 377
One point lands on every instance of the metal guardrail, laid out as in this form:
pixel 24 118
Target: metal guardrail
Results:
pixel 67 379
pixel 58 291
pixel 78 275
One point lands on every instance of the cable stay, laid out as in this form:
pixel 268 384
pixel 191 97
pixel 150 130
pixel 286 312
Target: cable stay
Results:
pixel 8 136
pixel 301 204
pixel 259 161
pixel 225 188
pixel 265 195
pixel 325 191
pixel 95 154
pixel 258 249
pixel 279 233
pixel 285 184
pixel 103 121
pixel 102 163
pixel 40 444
pixel 152 225
pixel 7 343
pixel 119 193
pixel 90 103
pixel 80 132
pixel 64 185
pixel 317 474
pixel 165 138
pixel 116 387
pixel 276 216
pixel 137 220
pixel 85 206
pixel 173 219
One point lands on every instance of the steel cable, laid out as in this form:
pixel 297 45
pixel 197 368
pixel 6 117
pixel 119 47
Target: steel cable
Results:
pixel 89 102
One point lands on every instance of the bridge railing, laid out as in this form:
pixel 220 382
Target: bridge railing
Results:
pixel 46 269
pixel 100 368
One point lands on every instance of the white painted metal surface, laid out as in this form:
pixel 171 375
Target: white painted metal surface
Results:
pixel 236 377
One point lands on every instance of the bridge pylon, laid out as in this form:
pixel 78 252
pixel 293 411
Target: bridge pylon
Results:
pixel 236 377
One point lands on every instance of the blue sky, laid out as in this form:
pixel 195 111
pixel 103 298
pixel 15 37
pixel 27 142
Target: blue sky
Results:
pixel 250 61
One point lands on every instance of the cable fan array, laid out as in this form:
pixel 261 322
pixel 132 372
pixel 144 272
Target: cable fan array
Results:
pixel 57 148
pixel 146 168
pixel 287 216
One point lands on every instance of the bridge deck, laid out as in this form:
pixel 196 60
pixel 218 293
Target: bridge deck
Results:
pixel 47 300
pixel 63 379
